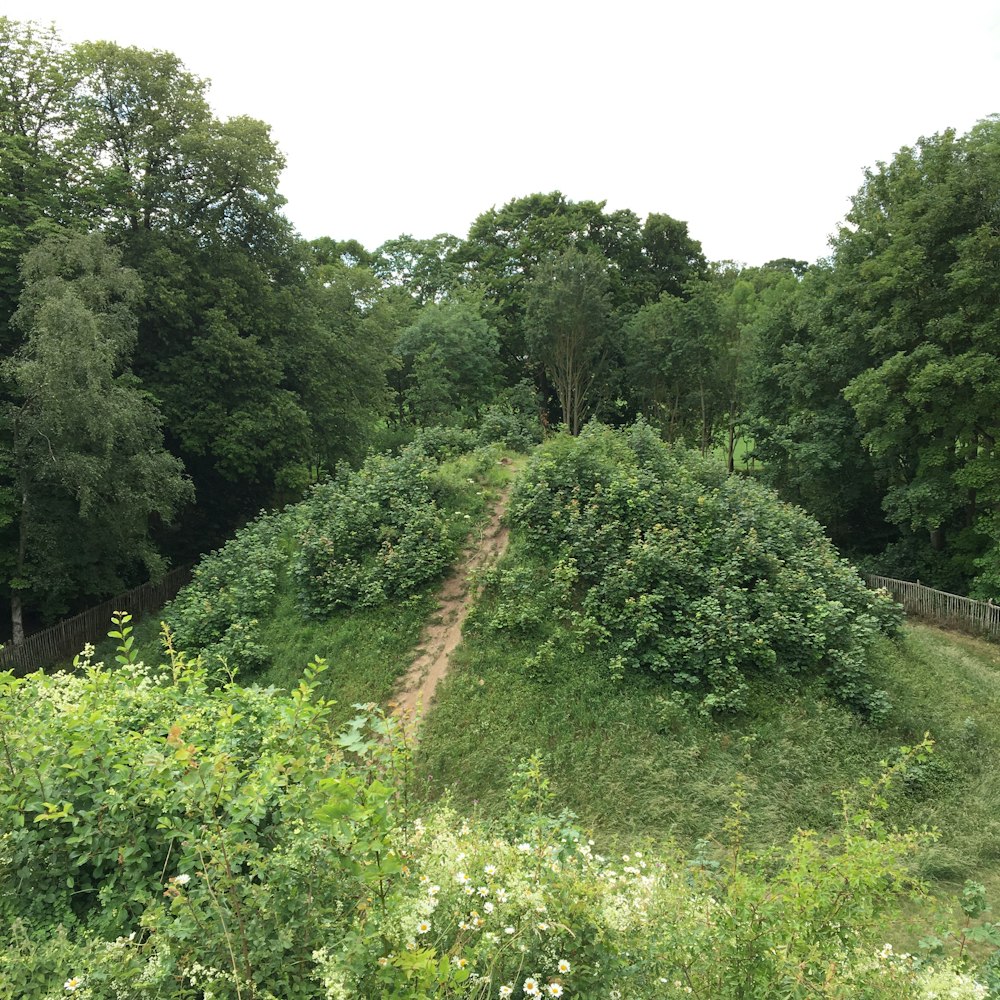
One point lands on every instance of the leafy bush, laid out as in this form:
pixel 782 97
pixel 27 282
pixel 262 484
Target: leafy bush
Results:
pixel 442 443
pixel 512 420
pixel 164 837
pixel 219 613
pixel 372 535
pixel 684 572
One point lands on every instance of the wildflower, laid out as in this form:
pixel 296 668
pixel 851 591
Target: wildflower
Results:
pixel 468 890
pixel 181 879
pixel 564 966
pixel 383 961
pixel 554 990
pixel 73 984
pixel 423 927
pixel 524 848
pixel 530 987
pixel 488 907
pixel 462 879
pixel 542 925
pixel 433 890
pixel 508 930
pixel 490 869
pixel 460 963
pixel 506 990
pixel 483 891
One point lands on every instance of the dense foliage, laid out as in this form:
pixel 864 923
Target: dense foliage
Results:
pixel 167 837
pixel 373 535
pixel 679 570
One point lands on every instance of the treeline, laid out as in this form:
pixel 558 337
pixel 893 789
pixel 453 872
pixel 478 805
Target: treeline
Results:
pixel 176 356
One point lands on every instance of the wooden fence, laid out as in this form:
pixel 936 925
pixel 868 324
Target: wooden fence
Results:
pixel 980 617
pixel 66 638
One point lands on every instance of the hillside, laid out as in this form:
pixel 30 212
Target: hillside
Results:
pixel 772 794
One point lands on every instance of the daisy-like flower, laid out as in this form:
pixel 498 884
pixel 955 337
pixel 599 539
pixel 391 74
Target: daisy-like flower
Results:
pixel 483 891
pixel 542 925
pixel 490 869
pixel 383 961
pixel 468 890
pixel 178 880
pixel 506 990
pixel 524 848
pixel 554 990
pixel 462 879
pixel 433 890
pixel 73 984
pixel 423 927
pixel 564 967
pixel 530 987
pixel 488 906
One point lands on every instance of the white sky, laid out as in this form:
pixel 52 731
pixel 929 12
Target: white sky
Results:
pixel 753 122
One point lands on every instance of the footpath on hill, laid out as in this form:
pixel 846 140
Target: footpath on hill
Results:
pixel 444 631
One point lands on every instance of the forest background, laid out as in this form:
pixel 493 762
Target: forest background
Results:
pixel 177 357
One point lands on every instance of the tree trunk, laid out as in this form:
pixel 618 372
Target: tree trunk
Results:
pixel 16 620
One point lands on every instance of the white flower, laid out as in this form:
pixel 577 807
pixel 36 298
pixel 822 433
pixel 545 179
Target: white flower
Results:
pixel 433 890
pixel 564 966
pixel 423 927
pixel 73 984
pixel 508 930
pixel 483 891
pixel 524 848
pixel 488 907
pixel 181 879
pixel 530 987
pixel 490 869
pixel 506 990
pixel 554 990
pixel 462 879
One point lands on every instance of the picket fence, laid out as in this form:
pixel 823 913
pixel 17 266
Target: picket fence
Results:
pixel 981 617
pixel 66 638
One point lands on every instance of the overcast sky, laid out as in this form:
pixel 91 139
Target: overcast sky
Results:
pixel 753 122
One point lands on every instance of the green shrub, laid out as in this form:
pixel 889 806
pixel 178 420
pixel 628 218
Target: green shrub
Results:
pixel 160 836
pixel 684 572
pixel 232 589
pixel 512 420
pixel 372 535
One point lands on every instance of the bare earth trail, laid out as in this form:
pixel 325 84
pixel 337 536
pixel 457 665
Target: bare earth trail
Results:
pixel 444 632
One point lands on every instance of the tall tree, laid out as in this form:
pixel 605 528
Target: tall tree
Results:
pixel 915 268
pixel 568 322
pixel 450 363
pixel 87 456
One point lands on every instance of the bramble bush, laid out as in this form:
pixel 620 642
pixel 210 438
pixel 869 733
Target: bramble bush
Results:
pixel 165 837
pixel 232 589
pixel 366 536
pixel 682 571
pixel 372 535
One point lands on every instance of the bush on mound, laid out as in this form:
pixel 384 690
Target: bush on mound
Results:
pixel 686 573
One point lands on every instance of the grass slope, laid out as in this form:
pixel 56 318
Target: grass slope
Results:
pixel 634 767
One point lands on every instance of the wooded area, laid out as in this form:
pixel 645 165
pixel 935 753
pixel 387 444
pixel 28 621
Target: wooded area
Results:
pixel 176 357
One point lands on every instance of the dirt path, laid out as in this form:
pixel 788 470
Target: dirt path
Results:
pixel 444 632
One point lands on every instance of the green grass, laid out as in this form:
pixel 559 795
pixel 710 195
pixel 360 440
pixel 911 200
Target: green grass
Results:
pixel 634 767
pixel 366 649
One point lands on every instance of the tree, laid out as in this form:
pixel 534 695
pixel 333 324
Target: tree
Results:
pixel 915 271
pixel 87 454
pixel 567 323
pixel 428 269
pixel 673 363
pixel 450 363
